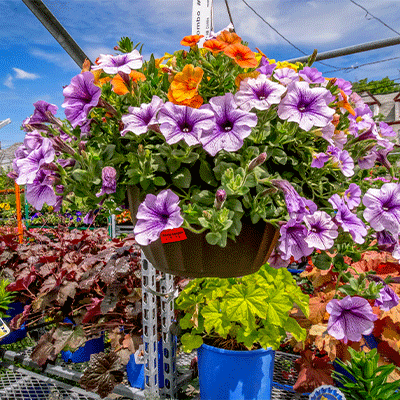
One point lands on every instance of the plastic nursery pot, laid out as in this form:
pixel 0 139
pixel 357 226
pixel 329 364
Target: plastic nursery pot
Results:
pixel 195 258
pixel 19 334
pixel 83 354
pixel 135 371
pixel 235 375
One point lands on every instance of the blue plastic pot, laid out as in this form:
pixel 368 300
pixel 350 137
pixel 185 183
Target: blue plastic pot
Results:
pixel 19 334
pixel 83 354
pixel 135 371
pixel 235 375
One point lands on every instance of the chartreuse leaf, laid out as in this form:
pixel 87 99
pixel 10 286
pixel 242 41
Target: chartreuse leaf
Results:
pixel 191 342
pixel 278 306
pixel 215 288
pixel 295 329
pixel 242 303
pixel 270 336
pixel 186 322
pixel 215 319
pixel 248 338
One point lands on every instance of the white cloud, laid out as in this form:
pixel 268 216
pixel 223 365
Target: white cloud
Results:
pixel 9 82
pixel 21 74
pixel 60 59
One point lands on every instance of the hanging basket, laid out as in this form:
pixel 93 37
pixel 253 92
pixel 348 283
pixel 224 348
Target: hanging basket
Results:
pixel 196 258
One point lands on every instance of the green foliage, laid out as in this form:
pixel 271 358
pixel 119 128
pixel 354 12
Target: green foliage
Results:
pixel 253 310
pixel 370 380
pixel 382 86
pixel 5 297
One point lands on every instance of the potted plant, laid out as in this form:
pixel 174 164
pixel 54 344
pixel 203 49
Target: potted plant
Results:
pixel 236 324
pixel 233 148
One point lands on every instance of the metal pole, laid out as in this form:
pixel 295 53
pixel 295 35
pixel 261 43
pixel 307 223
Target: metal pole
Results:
pixel 350 50
pixel 49 21
pixel 5 122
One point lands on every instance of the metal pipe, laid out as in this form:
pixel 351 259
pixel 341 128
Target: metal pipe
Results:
pixel 50 22
pixel 350 50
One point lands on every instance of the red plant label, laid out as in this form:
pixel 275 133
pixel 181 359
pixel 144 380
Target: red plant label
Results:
pixel 173 235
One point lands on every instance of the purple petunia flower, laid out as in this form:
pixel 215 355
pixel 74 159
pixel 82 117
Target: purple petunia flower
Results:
pixel 387 299
pixel 344 162
pixel 292 241
pixel 348 220
pixel 361 121
pixel 109 181
pixel 386 241
pixel 141 119
pixel 39 115
pixel 232 125
pixel 28 167
pixel 344 85
pixel 306 106
pixel 265 67
pixel 367 161
pixel 319 160
pixel 286 75
pixel 156 214
pixel 352 196
pixel 276 261
pixel 259 93
pixel 33 140
pixel 41 191
pixel 383 208
pixel 321 230
pixel 81 95
pixel 311 75
pixel 350 318
pixel 386 130
pixel 121 63
pixel 297 206
pixel 88 219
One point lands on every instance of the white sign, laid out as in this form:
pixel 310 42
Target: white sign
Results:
pixel 202 17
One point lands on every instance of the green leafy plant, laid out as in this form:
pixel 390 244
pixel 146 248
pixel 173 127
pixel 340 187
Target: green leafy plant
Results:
pixel 5 297
pixel 370 381
pixel 241 313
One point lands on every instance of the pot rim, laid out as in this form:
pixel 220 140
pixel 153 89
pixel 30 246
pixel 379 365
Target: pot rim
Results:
pixel 242 353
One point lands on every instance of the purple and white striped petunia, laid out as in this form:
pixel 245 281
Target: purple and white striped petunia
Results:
pixel 120 63
pixel 29 166
pixel 81 95
pixel 141 119
pixel 383 208
pixel 39 115
pixel 350 318
pixel 387 299
pixel 292 241
pixel 286 75
pixel 265 67
pixel 352 196
pixel 156 214
pixel 184 123
pixel 319 160
pixel 344 162
pixel 344 85
pixel 41 191
pixel 311 75
pixel 322 231
pixel 259 93
pixel 33 140
pixel 232 125
pixel 306 106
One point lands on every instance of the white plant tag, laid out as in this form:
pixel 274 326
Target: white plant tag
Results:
pixel 139 355
pixel 4 329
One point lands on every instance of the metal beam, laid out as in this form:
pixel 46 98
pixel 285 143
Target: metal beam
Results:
pixel 5 122
pixel 350 50
pixel 50 22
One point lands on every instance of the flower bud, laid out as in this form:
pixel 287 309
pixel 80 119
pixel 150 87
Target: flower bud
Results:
pixel 220 198
pixel 255 162
pixel 207 215
pixel 312 58
pixel 141 151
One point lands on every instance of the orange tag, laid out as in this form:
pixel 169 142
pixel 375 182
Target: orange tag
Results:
pixel 173 235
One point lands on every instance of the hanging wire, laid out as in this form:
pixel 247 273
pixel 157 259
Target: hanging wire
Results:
pixel 230 15
pixel 373 16
pixel 284 38
pixel 349 69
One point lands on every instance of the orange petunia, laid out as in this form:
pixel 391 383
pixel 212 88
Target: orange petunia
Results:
pixel 120 86
pixel 185 83
pixel 214 45
pixel 241 77
pixel 191 40
pixel 195 102
pixel 345 104
pixel 242 55
pixel 229 38
pixel 85 66
pixel 99 81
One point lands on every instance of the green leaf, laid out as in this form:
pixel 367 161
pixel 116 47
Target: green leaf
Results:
pixel 322 261
pixel 215 319
pixel 182 178
pixel 213 237
pixel 159 181
pixel 206 173
pixel 295 329
pixel 108 152
pixel 79 175
pixel 191 342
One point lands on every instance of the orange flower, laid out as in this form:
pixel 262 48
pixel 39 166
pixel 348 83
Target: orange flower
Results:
pixel 119 84
pixel 86 66
pixel 185 83
pixel 191 40
pixel 229 38
pixel 345 104
pixel 214 45
pixel 242 55
pixel 241 77
pixel 194 102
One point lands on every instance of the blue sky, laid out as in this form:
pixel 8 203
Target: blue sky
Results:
pixel 33 66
